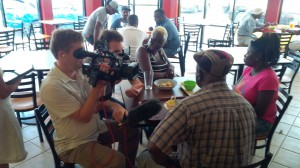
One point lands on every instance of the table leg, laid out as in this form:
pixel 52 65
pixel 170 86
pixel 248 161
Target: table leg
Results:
pixel 201 36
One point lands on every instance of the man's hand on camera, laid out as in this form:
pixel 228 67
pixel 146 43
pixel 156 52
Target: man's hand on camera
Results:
pixel 118 113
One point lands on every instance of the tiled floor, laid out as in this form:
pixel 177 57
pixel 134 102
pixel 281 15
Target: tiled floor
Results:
pixel 285 144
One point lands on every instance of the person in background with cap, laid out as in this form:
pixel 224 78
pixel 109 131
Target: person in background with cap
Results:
pixel 214 127
pixel 123 21
pixel 97 21
pixel 259 83
pixel 249 25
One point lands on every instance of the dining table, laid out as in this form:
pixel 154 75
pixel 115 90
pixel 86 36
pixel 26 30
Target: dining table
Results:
pixel 40 61
pixel 177 92
pixel 5 29
pixel 238 54
pixel 57 22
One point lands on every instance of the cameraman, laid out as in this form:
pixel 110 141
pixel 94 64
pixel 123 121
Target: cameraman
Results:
pixel 80 136
pixel 114 40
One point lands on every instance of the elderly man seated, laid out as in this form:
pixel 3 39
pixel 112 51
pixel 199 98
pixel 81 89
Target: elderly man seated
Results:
pixel 214 127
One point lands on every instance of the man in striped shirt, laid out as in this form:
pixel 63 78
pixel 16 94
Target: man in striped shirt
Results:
pixel 215 127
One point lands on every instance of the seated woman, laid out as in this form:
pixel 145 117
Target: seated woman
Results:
pixel 151 57
pixel 259 83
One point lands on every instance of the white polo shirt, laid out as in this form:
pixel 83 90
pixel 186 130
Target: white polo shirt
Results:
pixel 132 37
pixel 62 97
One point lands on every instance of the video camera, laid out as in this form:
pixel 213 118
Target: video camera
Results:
pixel 120 66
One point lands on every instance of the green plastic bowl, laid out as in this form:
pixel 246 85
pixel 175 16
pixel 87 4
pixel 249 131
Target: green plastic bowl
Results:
pixel 189 85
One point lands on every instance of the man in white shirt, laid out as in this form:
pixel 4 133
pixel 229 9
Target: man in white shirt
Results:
pixel 98 21
pixel 132 35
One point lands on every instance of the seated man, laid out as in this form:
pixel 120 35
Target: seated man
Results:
pixel 173 41
pixel 81 137
pixel 215 127
pixel 123 21
pixel 133 36
pixel 249 25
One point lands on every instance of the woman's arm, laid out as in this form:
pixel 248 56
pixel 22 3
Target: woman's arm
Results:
pixel 6 90
pixel 263 101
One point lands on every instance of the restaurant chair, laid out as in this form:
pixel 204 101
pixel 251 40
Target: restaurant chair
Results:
pixel 23 41
pixel 82 19
pixel 45 122
pixel 262 163
pixel 225 42
pixel 7 42
pixel 282 103
pixel 181 54
pixel 25 99
pixel 291 69
pixel 194 31
pixel 41 41
pixel 285 39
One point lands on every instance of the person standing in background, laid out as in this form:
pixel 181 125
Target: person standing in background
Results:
pixel 97 21
pixel 11 142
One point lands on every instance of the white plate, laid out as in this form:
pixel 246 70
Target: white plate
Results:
pixel 159 81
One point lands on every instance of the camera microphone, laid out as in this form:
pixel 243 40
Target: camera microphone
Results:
pixel 142 112
pixel 81 53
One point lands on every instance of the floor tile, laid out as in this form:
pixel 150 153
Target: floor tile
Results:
pixel 288 119
pixel 32 151
pixel 276 165
pixel 277 139
pixel 287 158
pixel 30 133
pixel 292 111
pixel 295 103
pixel 261 152
pixel 43 160
pixel 297 122
pixel 291 144
pixel 44 146
pixel 283 128
pixel 294 132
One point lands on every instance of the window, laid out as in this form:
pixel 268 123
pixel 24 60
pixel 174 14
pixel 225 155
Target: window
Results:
pixel 67 9
pixel 244 6
pixel 289 13
pixel 1 16
pixel 17 11
pixel 144 9
pixel 191 10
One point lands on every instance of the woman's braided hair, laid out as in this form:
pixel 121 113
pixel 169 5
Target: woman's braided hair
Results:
pixel 268 45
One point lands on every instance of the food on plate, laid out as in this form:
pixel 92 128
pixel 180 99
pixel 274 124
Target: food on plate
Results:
pixel 166 84
pixel 170 103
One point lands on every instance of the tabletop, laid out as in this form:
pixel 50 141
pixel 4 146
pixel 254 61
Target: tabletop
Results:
pixel 56 21
pixel 5 29
pixel 154 93
pixel 40 60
